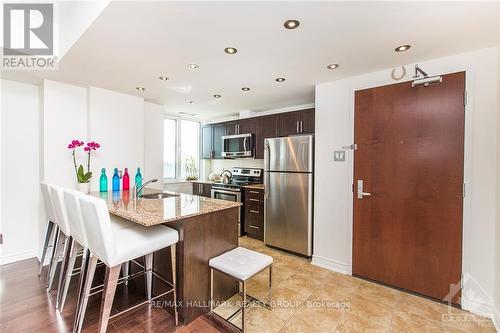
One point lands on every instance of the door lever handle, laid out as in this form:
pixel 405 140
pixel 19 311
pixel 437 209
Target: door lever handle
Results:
pixel 362 194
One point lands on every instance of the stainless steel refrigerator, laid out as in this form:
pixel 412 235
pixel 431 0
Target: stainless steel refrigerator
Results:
pixel 288 182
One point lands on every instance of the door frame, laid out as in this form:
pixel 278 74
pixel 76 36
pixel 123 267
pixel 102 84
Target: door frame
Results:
pixel 467 202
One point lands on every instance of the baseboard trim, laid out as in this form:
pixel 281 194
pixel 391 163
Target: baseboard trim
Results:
pixel 4 260
pixel 332 265
pixel 482 309
pixel 496 321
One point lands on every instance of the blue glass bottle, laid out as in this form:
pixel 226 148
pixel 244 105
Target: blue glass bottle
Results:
pixel 116 181
pixel 138 180
pixel 103 181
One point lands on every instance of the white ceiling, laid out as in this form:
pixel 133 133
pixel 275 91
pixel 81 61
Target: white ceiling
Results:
pixel 131 43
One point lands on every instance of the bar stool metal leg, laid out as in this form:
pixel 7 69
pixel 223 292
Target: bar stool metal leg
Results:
pixel 211 289
pixel 48 236
pixel 244 307
pixel 81 285
pixel 74 249
pixel 270 284
pixel 173 249
pixel 55 258
pixel 125 270
pixel 108 294
pixel 148 266
pixel 68 246
pixel 92 263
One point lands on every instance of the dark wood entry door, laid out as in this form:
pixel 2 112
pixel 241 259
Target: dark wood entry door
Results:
pixel 407 232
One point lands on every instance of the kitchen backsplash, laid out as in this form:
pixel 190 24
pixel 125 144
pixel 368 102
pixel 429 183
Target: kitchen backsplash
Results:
pixel 217 166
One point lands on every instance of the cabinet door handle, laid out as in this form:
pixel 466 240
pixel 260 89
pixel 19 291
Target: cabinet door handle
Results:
pixel 301 127
pixel 254 192
pixel 254 211
pixel 254 227
pixel 251 199
pixel 297 127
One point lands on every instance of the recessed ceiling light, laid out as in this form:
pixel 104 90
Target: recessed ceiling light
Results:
pixel 332 66
pixel 163 77
pixel 140 88
pixel 193 66
pixel 217 96
pixel 291 24
pixel 280 79
pixel 245 89
pixel 402 48
pixel 230 50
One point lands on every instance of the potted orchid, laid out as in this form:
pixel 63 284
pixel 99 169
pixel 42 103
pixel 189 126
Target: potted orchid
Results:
pixel 83 177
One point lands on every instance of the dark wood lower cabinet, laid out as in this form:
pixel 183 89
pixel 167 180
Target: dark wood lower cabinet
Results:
pixel 253 214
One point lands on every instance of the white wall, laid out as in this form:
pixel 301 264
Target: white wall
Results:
pixel 497 233
pixel 334 129
pixel 37 124
pixel 153 143
pixel 64 119
pixel 218 166
pixel 19 171
pixel 116 122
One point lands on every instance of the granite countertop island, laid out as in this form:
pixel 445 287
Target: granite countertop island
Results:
pixel 207 228
pixel 149 212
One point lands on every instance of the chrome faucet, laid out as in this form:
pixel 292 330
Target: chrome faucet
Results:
pixel 138 190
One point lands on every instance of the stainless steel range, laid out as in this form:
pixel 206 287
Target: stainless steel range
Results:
pixel 232 190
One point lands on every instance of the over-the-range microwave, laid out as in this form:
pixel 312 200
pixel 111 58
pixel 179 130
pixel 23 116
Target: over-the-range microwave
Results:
pixel 238 145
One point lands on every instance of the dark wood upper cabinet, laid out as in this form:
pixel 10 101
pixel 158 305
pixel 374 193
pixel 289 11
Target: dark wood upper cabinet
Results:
pixel 206 141
pixel 272 126
pixel 265 127
pixel 231 128
pixel 297 122
pixel 219 130
pixel 289 124
pixel 307 121
pixel 242 126
pixel 246 126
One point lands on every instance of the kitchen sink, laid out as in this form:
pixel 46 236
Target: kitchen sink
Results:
pixel 159 195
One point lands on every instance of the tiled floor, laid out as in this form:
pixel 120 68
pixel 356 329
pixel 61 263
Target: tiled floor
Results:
pixel 307 298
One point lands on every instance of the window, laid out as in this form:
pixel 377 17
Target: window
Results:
pixel 181 144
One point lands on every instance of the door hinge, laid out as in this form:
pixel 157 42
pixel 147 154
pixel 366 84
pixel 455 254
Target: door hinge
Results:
pixel 463 190
pixel 352 147
pixel 465 97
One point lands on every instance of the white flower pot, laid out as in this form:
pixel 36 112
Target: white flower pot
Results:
pixel 84 187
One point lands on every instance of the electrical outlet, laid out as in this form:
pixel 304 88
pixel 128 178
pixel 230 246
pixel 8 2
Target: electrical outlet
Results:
pixel 339 155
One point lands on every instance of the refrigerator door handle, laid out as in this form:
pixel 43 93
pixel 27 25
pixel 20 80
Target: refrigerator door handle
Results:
pixel 267 159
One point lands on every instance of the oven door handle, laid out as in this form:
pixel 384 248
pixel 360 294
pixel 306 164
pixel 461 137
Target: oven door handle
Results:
pixel 217 190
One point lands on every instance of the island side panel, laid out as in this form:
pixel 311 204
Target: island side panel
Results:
pixel 214 235
pixel 202 237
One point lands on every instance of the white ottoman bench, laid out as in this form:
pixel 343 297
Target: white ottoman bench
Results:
pixel 240 264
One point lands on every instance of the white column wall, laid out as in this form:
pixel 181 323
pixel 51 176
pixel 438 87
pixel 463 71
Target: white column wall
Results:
pixel 153 143
pixel 116 122
pixel 19 171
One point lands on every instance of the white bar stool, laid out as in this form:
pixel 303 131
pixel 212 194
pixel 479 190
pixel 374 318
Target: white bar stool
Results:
pixel 240 264
pixel 51 228
pixel 115 247
pixel 62 238
pixel 78 243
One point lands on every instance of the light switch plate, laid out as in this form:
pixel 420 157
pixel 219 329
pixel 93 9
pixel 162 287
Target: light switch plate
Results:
pixel 339 155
